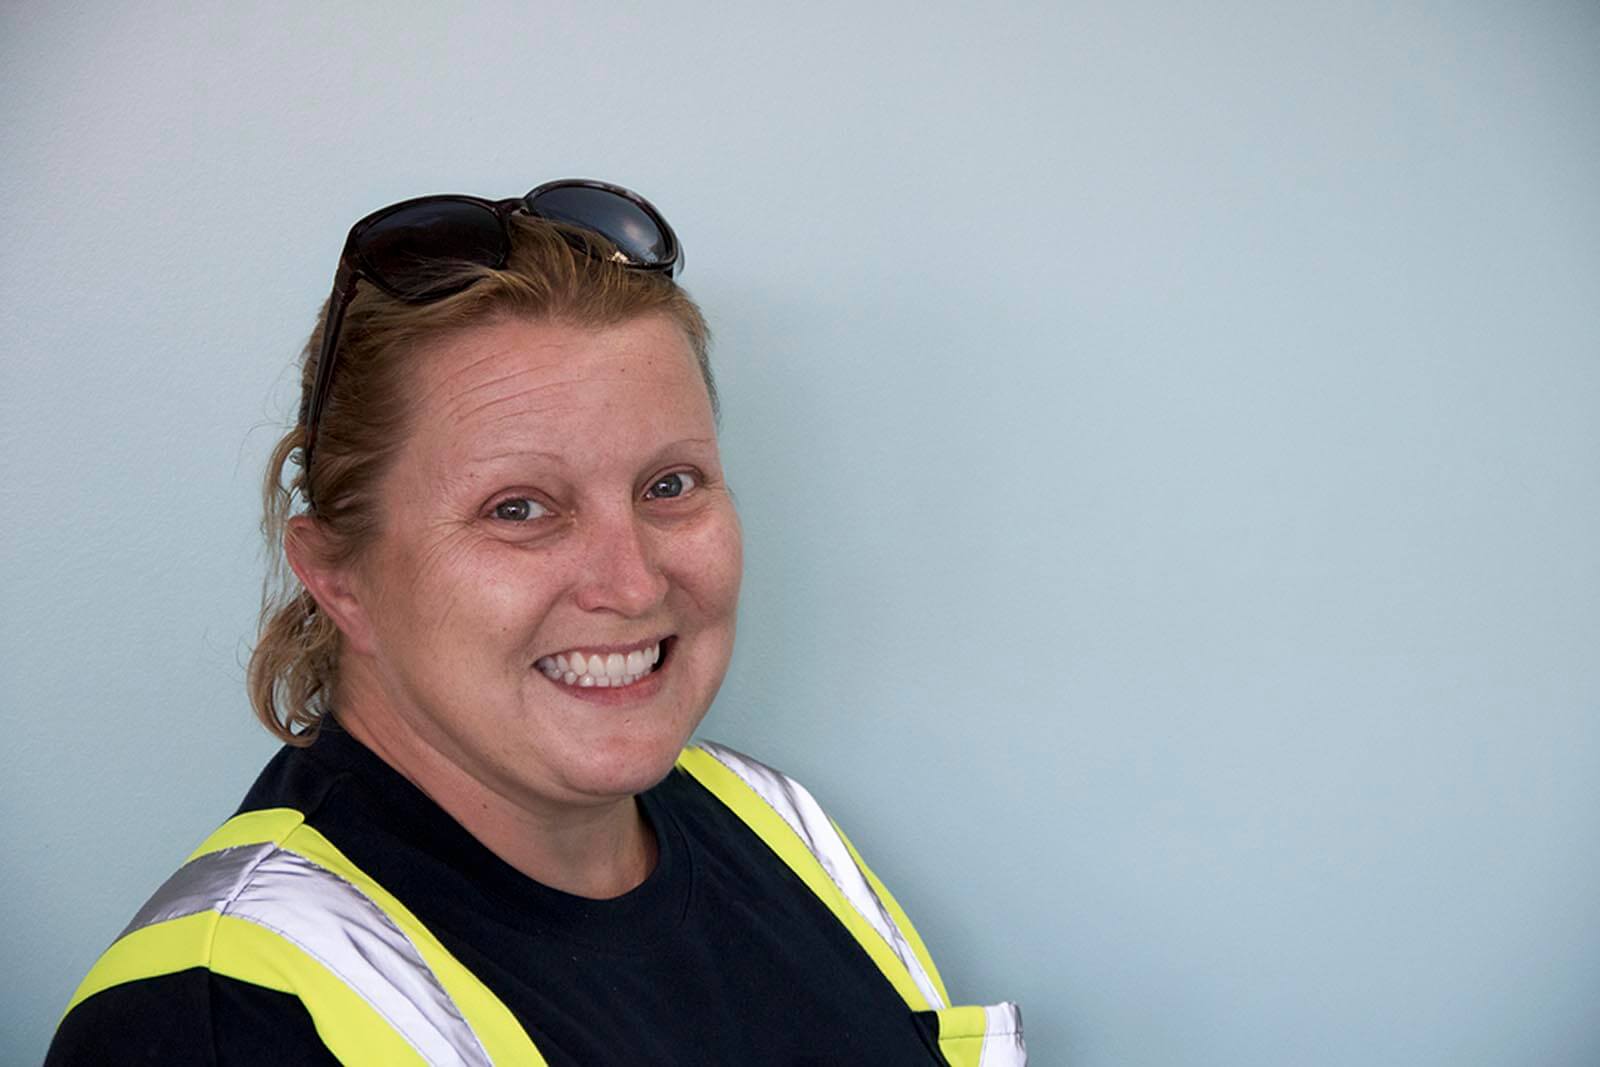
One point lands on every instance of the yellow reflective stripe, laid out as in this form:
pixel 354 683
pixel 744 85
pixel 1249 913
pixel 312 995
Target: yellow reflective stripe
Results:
pixel 779 836
pixel 961 1033
pixel 248 953
pixel 897 913
pixel 502 1036
pixel 240 949
pixel 353 1031
pixel 165 948
pixel 251 828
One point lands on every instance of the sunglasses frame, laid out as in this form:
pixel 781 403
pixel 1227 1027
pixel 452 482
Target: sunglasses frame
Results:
pixel 354 266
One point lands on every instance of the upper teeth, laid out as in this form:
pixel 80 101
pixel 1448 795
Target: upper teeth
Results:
pixel 600 669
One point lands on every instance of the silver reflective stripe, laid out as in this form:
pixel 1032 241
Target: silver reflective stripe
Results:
pixel 336 924
pixel 205 883
pixel 1002 1037
pixel 805 817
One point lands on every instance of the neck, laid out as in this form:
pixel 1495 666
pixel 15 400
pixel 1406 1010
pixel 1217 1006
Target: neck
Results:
pixel 600 849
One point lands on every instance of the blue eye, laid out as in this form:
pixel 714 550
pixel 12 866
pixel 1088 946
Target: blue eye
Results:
pixel 519 509
pixel 671 485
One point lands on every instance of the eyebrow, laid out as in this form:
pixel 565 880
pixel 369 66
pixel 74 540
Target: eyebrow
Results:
pixel 512 453
pixel 559 460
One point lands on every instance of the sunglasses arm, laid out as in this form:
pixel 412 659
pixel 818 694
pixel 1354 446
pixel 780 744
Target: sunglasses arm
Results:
pixel 344 285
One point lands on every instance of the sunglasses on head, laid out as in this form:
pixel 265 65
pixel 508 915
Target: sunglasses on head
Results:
pixel 414 250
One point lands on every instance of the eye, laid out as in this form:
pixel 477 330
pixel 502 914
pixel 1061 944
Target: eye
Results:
pixel 519 509
pixel 671 485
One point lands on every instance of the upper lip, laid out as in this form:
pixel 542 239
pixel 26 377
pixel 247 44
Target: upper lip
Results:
pixel 606 649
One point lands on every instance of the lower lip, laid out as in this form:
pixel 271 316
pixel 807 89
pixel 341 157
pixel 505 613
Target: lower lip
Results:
pixel 613 696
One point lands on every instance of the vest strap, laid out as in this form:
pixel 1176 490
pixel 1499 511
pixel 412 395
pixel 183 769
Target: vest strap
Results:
pixel 292 913
pixel 788 818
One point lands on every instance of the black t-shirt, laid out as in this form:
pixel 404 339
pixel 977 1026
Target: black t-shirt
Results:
pixel 721 956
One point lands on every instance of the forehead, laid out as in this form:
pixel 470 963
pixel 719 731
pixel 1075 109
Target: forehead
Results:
pixel 517 379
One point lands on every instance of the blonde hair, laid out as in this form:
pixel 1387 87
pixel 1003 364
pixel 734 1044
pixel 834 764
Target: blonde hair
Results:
pixel 555 274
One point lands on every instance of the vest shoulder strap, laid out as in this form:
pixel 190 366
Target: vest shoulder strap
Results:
pixel 268 900
pixel 785 815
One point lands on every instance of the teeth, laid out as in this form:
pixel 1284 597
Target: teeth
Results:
pixel 600 670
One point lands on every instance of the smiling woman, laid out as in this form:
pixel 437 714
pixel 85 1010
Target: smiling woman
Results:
pixel 514 568
pixel 523 520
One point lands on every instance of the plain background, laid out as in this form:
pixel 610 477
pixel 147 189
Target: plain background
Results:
pixel 1166 435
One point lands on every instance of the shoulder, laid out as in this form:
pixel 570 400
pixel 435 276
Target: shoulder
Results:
pixel 198 970
pixel 269 912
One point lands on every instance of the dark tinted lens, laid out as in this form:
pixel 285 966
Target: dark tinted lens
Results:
pixel 616 218
pixel 416 251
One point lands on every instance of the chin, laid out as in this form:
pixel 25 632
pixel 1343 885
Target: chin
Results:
pixel 630 763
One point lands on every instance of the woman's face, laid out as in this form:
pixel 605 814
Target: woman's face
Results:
pixel 550 602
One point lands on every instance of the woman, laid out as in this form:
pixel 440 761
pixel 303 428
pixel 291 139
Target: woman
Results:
pixel 516 567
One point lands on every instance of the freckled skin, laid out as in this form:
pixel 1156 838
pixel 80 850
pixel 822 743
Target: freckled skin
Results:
pixel 456 601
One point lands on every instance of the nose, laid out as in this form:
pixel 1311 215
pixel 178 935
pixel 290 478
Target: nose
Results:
pixel 620 572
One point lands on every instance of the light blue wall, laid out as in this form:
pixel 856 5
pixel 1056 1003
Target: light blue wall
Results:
pixel 1168 438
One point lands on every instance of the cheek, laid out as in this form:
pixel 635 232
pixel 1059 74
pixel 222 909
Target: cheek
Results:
pixel 511 591
pixel 717 566
pixel 476 592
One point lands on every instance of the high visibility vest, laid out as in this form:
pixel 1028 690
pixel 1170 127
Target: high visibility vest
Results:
pixel 268 900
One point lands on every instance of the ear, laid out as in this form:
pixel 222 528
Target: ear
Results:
pixel 335 586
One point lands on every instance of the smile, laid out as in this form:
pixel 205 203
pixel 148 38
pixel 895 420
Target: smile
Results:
pixel 600 670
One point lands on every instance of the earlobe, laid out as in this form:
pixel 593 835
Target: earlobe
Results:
pixel 306 546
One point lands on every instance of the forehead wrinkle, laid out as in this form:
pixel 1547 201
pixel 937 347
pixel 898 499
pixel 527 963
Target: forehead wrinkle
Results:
pixel 434 387
pixel 474 406
pixel 490 354
pixel 462 409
